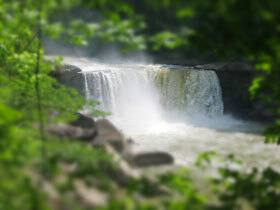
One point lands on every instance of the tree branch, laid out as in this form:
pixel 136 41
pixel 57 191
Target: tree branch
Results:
pixel 28 43
pixel 37 72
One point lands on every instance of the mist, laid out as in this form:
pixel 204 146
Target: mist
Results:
pixel 96 51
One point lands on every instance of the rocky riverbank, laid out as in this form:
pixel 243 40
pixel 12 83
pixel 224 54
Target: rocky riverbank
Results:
pixel 102 133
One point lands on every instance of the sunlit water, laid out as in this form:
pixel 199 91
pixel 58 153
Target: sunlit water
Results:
pixel 175 109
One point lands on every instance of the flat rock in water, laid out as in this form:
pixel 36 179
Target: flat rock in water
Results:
pixel 146 159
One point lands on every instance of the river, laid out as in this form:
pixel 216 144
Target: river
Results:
pixel 175 109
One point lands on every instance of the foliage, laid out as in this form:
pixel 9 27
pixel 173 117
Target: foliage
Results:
pixel 22 68
pixel 30 96
pixel 52 181
pixel 259 190
pixel 18 192
pixel 236 189
pixel 19 41
pixel 46 174
pixel 167 39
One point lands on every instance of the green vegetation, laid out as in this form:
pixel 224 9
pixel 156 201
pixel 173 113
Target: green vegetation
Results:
pixel 238 190
pixel 38 171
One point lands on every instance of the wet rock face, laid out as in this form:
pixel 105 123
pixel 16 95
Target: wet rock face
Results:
pixel 228 66
pixel 71 77
pixel 235 79
pixel 107 133
pixel 84 121
pixel 236 95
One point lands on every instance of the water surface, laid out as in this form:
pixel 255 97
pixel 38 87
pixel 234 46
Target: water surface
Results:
pixel 175 109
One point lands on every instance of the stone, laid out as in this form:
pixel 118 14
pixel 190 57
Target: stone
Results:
pixel 83 128
pixel 84 121
pixel 70 76
pixel 65 131
pixel 131 141
pixel 123 172
pixel 145 159
pixel 235 86
pixel 90 196
pixel 107 133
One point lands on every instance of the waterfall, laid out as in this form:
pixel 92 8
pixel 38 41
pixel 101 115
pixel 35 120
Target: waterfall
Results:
pixel 191 91
pixel 175 109
pixel 153 90
pixel 125 91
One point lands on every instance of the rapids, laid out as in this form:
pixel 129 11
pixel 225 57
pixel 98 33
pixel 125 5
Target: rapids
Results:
pixel 175 109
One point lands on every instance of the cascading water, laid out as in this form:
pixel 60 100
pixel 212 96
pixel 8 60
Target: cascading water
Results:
pixel 125 92
pixel 175 109
pixel 190 91
pixel 150 92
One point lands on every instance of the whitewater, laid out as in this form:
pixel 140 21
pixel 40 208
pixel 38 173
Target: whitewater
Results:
pixel 174 109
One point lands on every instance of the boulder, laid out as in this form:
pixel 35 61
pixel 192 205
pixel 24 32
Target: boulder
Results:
pixel 124 171
pixel 83 128
pixel 65 131
pixel 103 133
pixel 146 159
pixel 89 196
pixel 107 133
pixel 235 80
pixel 110 137
pixel 84 121
pixel 72 77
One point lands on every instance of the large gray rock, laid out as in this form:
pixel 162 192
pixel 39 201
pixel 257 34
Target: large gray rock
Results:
pixel 103 133
pixel 89 196
pixel 124 171
pixel 146 159
pixel 235 86
pixel 71 76
pixel 84 121
pixel 83 128
pixel 65 131
pixel 107 133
